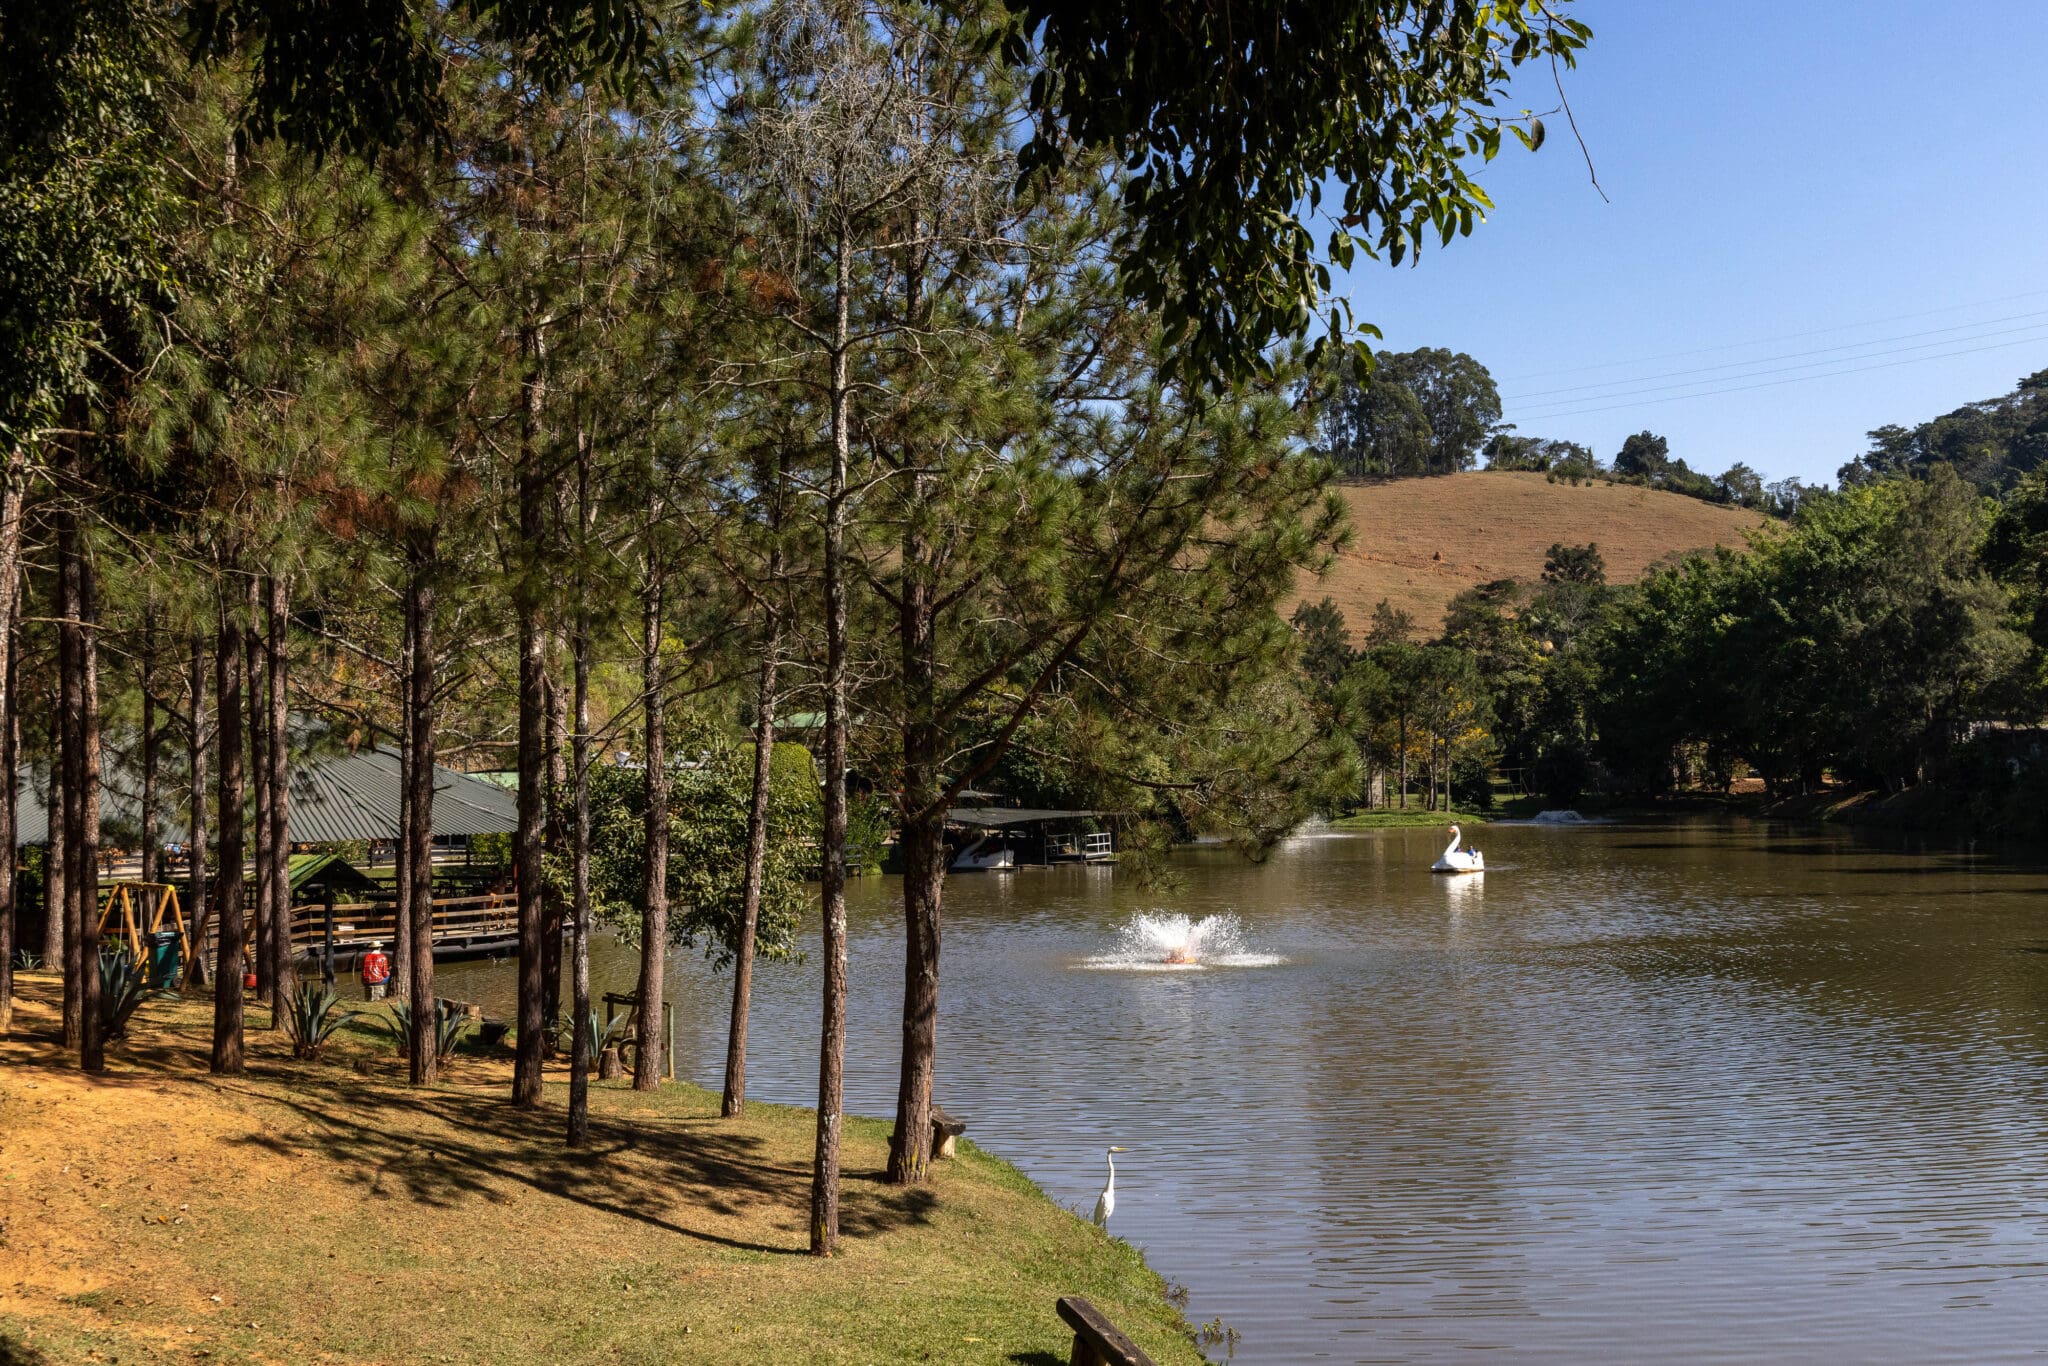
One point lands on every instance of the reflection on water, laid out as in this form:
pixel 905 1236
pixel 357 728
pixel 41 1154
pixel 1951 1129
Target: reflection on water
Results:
pixel 1683 1092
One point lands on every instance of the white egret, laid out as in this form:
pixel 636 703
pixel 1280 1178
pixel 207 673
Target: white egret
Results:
pixel 1105 1203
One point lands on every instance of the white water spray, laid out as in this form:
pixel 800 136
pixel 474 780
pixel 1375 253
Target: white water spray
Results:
pixel 1171 942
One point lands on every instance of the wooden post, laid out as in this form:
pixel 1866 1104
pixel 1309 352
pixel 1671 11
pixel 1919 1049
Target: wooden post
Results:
pixel 327 965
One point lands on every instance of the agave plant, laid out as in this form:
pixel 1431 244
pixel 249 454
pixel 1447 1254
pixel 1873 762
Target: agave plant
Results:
pixel 602 1034
pixel 448 1027
pixel 123 987
pixel 311 1017
pixel 26 961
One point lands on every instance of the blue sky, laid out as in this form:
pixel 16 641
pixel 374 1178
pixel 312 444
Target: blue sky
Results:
pixel 1798 188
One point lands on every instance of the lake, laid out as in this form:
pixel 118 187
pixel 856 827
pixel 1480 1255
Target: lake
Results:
pixel 1698 1090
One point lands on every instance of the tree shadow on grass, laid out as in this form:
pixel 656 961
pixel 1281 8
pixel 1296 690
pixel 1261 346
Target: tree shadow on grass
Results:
pixel 451 1148
pixel 15 1352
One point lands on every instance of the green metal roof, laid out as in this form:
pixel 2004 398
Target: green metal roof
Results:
pixel 338 800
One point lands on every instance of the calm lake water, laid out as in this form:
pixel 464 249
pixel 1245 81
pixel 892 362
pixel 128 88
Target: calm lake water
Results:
pixel 1692 1091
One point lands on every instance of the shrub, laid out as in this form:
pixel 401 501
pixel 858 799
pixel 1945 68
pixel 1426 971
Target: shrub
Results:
pixel 123 987
pixel 311 1017
pixel 448 1027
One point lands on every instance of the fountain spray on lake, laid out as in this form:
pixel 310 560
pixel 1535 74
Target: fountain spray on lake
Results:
pixel 1171 942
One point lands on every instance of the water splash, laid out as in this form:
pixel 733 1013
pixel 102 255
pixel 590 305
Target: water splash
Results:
pixel 1171 942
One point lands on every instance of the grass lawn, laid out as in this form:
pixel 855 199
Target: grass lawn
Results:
pixel 1396 819
pixel 327 1212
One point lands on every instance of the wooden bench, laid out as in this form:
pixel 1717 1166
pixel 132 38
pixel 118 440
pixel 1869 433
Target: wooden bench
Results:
pixel 1097 1341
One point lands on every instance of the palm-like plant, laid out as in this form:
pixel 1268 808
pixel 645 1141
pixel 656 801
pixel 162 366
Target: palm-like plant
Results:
pixel 448 1027
pixel 311 1017
pixel 123 987
pixel 602 1034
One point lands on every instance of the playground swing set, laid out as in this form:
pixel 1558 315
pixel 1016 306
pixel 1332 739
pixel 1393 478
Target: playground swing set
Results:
pixel 144 909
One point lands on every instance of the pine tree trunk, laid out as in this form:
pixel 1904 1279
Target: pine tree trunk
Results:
pixel 832 897
pixel 554 839
pixel 197 904
pixel 1404 760
pixel 924 866
pixel 527 842
pixel 85 858
pixel 70 708
pixel 283 972
pixel 151 844
pixel 10 723
pixel 424 1063
pixel 401 906
pixel 579 854
pixel 924 873
pixel 647 1050
pixel 227 888
pixel 259 789
pixel 755 872
pixel 56 877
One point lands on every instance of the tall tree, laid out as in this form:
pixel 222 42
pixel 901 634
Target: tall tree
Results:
pixel 226 898
pixel 11 495
pixel 276 615
pixel 197 901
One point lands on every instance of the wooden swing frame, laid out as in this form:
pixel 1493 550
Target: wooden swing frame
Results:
pixel 165 896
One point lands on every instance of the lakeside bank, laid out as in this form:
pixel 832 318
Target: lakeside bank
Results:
pixel 325 1211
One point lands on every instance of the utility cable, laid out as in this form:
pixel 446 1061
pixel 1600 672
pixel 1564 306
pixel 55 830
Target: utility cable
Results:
pixel 1773 340
pixel 1778 383
pixel 1792 355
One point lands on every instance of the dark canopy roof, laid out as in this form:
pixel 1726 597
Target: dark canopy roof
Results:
pixel 996 817
pixel 333 801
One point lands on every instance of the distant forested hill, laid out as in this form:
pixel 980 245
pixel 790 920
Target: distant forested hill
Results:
pixel 1990 443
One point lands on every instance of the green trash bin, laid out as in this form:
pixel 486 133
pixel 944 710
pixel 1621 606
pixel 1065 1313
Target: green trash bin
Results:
pixel 166 959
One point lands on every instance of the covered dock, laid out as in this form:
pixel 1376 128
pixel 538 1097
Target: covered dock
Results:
pixel 989 838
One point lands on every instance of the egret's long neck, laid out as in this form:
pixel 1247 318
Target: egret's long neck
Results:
pixel 1112 1167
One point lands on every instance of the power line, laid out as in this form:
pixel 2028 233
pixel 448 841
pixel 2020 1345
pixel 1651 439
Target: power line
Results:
pixel 1778 383
pixel 1789 355
pixel 1771 341
pixel 2030 328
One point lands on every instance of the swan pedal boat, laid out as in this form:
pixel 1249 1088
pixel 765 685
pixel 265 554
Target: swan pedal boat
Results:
pixel 1456 860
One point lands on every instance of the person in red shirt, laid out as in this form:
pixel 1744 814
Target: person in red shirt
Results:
pixel 376 973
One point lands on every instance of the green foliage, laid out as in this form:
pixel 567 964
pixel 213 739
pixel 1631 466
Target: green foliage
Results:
pixel 1581 564
pixel 85 189
pixel 1413 412
pixel 603 1034
pixel 1645 455
pixel 449 1026
pixel 711 783
pixel 869 821
pixel 311 1016
pixel 123 987
pixel 26 960
pixel 1990 444
pixel 1235 119
pixel 1506 451
pixel 360 78
pixel 1325 647
pixel 1862 640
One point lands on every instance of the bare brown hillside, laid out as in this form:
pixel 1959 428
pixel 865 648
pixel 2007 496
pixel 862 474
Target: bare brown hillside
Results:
pixel 1419 542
